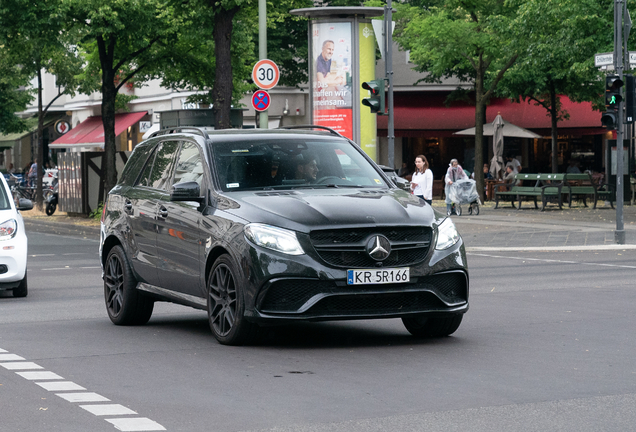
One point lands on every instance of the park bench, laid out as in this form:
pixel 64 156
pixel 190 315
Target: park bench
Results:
pixel 583 186
pixel 546 186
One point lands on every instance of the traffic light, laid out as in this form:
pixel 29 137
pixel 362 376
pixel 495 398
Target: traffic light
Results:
pixel 376 99
pixel 630 98
pixel 613 97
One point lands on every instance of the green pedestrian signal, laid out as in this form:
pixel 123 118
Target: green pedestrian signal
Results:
pixel 613 98
pixel 376 92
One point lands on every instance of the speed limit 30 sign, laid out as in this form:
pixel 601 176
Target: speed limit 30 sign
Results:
pixel 265 74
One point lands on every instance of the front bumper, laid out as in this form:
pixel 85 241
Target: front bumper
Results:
pixel 315 292
pixel 13 260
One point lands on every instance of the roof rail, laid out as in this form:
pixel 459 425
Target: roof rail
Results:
pixel 311 127
pixel 180 129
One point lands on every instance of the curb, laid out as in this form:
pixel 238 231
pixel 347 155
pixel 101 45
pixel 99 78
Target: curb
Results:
pixel 61 228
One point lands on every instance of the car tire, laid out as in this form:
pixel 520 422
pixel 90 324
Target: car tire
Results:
pixel 124 303
pixel 23 289
pixel 432 327
pixel 226 304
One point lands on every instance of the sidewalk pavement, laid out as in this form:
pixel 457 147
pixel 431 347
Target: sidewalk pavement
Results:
pixel 576 228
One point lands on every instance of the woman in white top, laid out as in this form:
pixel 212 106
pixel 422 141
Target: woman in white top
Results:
pixel 422 180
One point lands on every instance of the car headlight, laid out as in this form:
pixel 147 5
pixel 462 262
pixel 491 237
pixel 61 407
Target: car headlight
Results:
pixel 447 235
pixel 273 238
pixel 8 229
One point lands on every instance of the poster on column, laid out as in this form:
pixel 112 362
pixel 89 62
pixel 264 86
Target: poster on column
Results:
pixel 332 97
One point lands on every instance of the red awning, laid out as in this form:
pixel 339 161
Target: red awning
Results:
pixel 424 114
pixel 90 132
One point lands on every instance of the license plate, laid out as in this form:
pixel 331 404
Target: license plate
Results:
pixel 383 276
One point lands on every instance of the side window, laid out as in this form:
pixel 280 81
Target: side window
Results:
pixel 189 165
pixel 163 164
pixel 135 163
pixel 144 179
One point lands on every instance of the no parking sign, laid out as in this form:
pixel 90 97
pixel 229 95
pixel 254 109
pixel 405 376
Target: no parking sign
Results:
pixel 261 100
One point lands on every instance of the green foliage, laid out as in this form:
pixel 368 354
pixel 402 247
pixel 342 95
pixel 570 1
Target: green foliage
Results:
pixel 12 99
pixel 559 40
pixel 97 213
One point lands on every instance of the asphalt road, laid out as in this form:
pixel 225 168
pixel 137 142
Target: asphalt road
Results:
pixel 547 345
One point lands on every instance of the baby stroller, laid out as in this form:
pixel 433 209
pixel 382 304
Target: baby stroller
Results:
pixel 464 191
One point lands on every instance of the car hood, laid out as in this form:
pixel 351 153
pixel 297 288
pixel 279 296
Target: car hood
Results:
pixel 307 209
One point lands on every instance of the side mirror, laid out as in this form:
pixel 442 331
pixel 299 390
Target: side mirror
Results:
pixel 25 204
pixel 186 191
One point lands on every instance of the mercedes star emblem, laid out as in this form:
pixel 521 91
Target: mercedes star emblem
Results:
pixel 379 247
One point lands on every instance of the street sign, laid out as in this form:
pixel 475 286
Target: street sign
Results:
pixel 265 74
pixel 261 100
pixel 604 59
pixel 607 59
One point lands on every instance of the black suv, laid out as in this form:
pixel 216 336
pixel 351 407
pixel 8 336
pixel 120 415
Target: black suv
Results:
pixel 272 226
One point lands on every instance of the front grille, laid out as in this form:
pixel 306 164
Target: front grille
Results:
pixel 289 295
pixel 346 248
pixel 376 304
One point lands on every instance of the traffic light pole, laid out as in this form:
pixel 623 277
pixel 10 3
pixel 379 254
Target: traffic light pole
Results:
pixel 619 11
pixel 388 46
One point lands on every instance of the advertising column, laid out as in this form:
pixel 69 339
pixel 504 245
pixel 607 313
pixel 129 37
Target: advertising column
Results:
pixel 332 72
pixel 368 120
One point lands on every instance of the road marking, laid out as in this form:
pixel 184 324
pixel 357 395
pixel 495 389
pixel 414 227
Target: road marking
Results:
pixel 549 248
pixel 108 409
pixel 20 365
pixel 57 383
pixel 83 397
pixel 8 357
pixel 40 376
pixel 555 261
pixel 135 424
pixel 60 385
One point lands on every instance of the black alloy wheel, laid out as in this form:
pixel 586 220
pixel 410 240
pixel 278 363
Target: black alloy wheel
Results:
pixel 226 305
pixel 124 304
pixel 432 327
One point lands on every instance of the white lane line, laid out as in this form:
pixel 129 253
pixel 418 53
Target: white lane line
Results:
pixel 32 376
pixel 136 424
pixel 20 366
pixel 83 397
pixel 41 255
pixel 63 268
pixel 554 261
pixel 10 357
pixel 549 248
pixel 57 383
pixel 108 409
pixel 60 385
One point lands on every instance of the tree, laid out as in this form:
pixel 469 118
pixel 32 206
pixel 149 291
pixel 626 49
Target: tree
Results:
pixel 14 97
pixel 560 37
pixel 468 40
pixel 122 40
pixel 35 40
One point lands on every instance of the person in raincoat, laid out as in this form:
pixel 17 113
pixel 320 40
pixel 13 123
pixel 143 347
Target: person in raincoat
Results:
pixel 454 173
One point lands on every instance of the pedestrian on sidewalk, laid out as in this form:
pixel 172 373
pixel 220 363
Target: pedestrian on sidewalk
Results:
pixel 422 180
pixel 453 173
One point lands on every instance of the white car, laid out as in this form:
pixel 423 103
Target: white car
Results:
pixel 13 242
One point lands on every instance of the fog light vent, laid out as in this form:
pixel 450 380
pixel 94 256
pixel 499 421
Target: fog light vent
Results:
pixel 3 269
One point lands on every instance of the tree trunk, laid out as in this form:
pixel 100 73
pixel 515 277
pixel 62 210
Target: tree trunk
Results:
pixel 222 91
pixel 480 108
pixel 553 119
pixel 40 146
pixel 109 93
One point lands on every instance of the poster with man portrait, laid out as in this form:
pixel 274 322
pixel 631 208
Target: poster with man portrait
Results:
pixel 332 71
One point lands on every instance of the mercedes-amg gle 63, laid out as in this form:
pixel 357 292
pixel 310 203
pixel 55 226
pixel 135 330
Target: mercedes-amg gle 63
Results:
pixel 261 227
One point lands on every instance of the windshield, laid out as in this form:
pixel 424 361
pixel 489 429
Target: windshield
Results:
pixel 291 164
pixel 4 198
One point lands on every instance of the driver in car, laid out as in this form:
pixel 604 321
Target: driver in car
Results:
pixel 307 170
